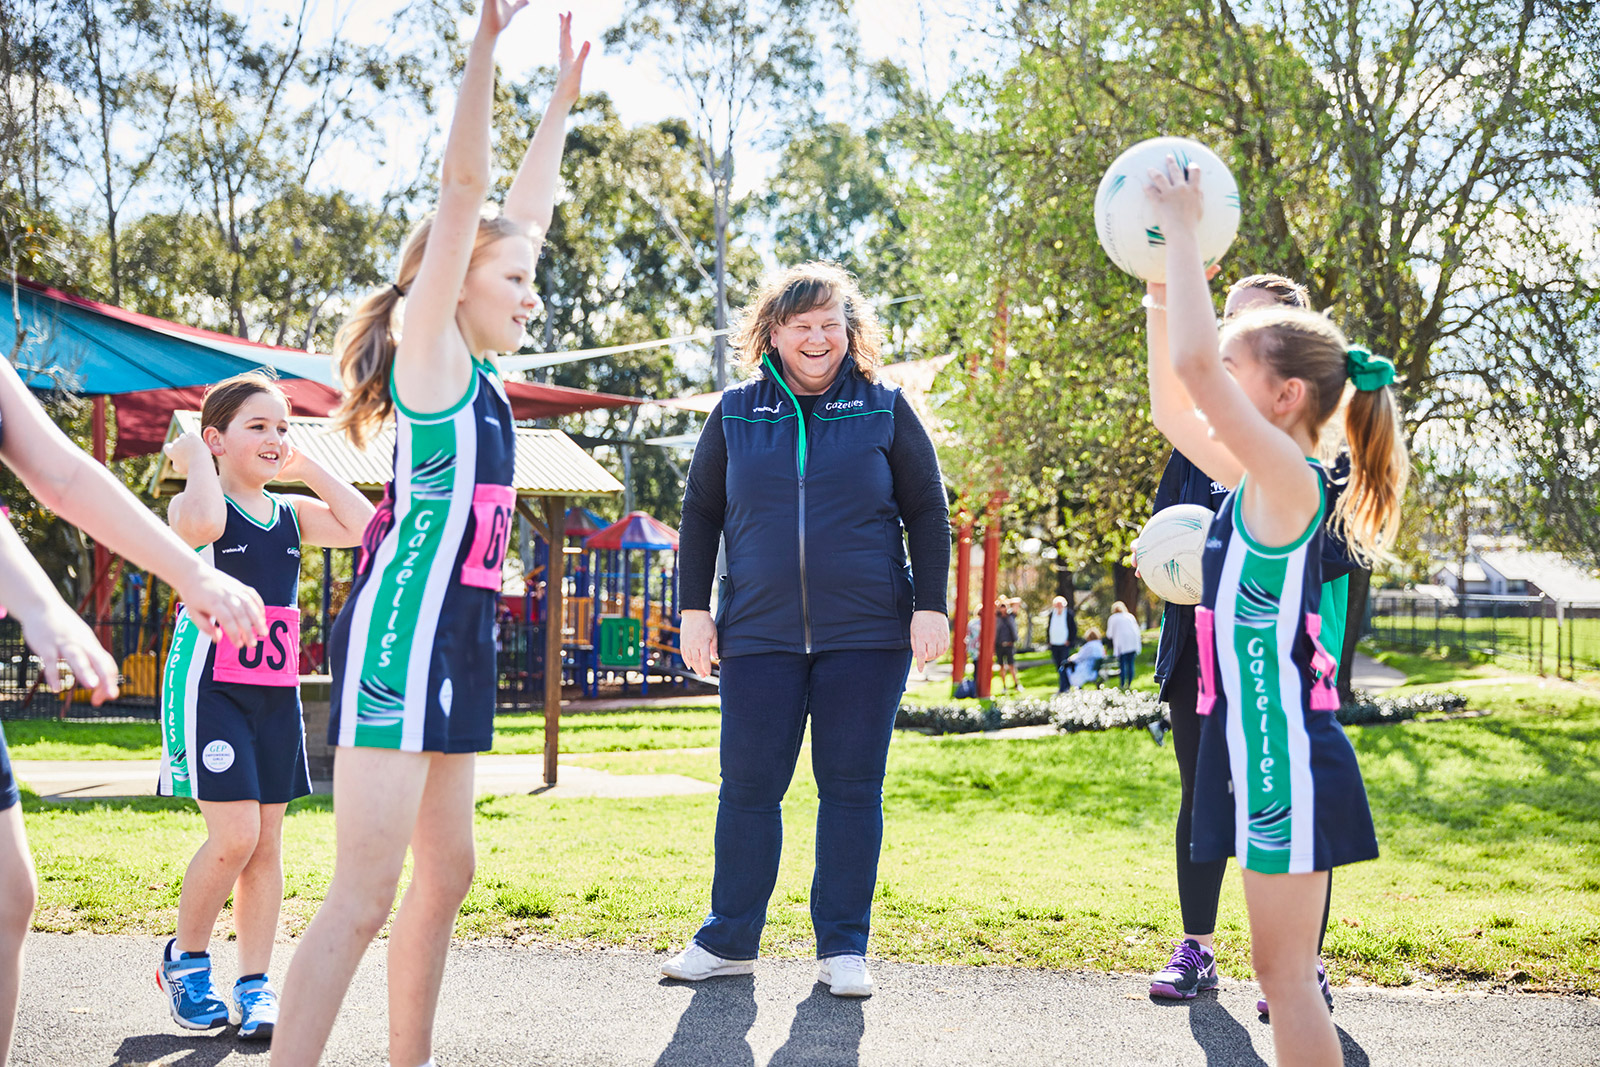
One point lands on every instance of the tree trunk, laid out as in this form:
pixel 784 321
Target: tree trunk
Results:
pixel 1125 586
pixel 719 347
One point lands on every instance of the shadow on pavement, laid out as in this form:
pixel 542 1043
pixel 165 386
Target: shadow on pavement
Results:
pixel 1224 1039
pixel 826 1032
pixel 1354 1054
pixel 712 1029
pixel 203 1050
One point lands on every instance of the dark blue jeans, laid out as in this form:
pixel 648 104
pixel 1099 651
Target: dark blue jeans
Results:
pixel 1125 664
pixel 851 698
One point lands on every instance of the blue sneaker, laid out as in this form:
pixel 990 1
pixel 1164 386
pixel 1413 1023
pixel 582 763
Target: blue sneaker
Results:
pixel 258 1008
pixel 187 983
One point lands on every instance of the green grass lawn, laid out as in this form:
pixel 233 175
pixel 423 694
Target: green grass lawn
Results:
pixel 515 734
pixel 1049 852
pixel 1037 676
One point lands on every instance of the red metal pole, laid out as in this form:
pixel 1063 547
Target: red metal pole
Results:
pixel 991 589
pixel 958 640
pixel 102 557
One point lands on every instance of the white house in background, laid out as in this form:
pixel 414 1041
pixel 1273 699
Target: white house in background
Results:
pixel 1518 572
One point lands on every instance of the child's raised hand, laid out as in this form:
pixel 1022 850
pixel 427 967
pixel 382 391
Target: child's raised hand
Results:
pixel 497 15
pixel 59 636
pixel 223 606
pixel 188 450
pixel 1176 194
pixel 569 67
pixel 294 464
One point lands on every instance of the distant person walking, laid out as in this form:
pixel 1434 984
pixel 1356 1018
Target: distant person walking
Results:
pixel 1005 640
pixel 1123 630
pixel 1062 633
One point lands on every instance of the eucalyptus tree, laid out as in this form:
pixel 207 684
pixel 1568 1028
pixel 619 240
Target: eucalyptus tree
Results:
pixel 741 67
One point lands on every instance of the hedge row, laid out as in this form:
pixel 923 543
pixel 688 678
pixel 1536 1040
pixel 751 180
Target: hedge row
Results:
pixel 1105 709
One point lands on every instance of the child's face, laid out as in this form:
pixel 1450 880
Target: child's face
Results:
pixel 497 298
pixel 255 443
pixel 1254 377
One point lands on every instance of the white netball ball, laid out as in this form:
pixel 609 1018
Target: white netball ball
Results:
pixel 1169 549
pixel 1125 220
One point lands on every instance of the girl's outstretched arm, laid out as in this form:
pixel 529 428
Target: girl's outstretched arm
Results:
pixel 72 485
pixel 1283 494
pixel 1171 406
pixel 51 629
pixel 432 366
pixel 337 516
pixel 533 192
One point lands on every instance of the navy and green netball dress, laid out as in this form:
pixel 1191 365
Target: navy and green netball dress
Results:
pixel 230 717
pixel 1277 783
pixel 10 795
pixel 413 650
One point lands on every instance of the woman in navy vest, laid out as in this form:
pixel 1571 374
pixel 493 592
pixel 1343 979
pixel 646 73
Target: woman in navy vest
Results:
pixel 817 475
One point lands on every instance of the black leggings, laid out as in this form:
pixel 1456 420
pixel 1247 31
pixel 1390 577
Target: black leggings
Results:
pixel 1199 884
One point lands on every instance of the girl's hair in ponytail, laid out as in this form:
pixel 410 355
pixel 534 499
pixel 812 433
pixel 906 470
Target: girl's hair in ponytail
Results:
pixel 1303 345
pixel 1368 512
pixel 223 400
pixel 364 347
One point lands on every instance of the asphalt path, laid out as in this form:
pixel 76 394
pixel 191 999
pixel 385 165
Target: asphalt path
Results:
pixel 90 1001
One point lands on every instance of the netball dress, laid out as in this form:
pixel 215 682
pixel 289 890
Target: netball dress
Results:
pixel 1277 783
pixel 413 650
pixel 231 727
pixel 9 793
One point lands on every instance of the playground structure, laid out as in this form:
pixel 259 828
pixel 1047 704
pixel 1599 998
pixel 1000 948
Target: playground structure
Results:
pixel 627 609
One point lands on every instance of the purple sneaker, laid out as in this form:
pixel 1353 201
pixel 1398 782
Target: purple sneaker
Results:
pixel 1322 982
pixel 1191 970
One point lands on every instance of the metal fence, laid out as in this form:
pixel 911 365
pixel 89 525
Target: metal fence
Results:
pixel 1541 634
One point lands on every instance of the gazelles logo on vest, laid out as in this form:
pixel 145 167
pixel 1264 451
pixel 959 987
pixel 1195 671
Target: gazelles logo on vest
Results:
pixel 841 405
pixel 421 521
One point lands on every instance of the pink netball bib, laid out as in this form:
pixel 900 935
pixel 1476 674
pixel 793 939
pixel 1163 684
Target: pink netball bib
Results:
pixel 492 506
pixel 274 661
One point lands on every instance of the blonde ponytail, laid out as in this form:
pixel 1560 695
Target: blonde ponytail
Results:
pixel 1368 512
pixel 364 347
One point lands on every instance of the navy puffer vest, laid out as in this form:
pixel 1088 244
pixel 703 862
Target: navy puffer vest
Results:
pixel 815 547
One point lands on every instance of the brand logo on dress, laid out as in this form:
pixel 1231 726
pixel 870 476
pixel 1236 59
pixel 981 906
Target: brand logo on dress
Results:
pixel 235 548
pixel 1217 488
pixel 294 552
pixel 774 409
pixel 840 405
pixel 1256 649
pixel 1213 542
pixel 491 420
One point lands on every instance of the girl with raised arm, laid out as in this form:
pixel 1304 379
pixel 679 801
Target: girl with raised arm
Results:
pixel 1277 784
pixel 413 650
pixel 231 729
pixel 72 485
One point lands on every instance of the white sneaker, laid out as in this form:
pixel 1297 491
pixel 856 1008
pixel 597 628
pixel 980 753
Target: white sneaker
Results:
pixel 846 976
pixel 695 963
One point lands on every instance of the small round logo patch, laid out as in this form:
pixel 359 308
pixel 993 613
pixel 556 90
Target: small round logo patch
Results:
pixel 218 756
pixel 446 697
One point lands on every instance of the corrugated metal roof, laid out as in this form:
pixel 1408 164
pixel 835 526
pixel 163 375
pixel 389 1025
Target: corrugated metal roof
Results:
pixel 549 463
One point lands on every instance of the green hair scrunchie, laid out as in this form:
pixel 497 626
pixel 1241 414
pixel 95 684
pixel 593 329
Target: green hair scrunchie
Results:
pixel 1369 372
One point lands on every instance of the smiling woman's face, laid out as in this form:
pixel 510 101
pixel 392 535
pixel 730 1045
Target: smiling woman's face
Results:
pixel 811 345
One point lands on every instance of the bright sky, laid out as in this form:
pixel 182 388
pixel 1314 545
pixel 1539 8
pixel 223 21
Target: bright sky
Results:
pixel 922 34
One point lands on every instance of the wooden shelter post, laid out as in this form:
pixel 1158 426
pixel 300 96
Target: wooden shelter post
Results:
pixel 555 614
pixel 101 582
